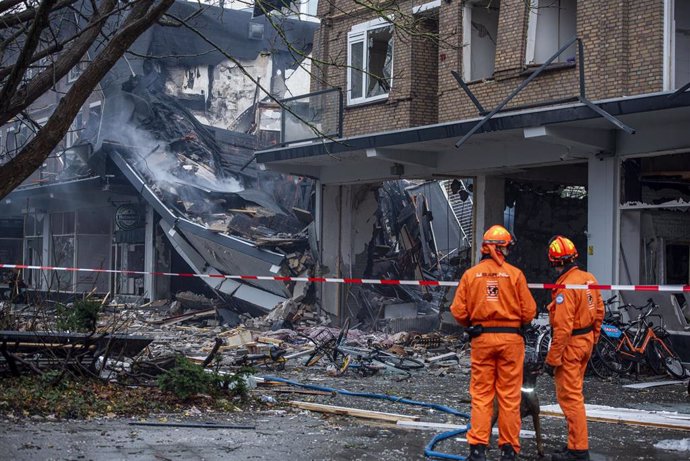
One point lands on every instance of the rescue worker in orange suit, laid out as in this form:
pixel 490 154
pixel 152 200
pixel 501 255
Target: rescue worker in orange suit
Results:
pixel 493 302
pixel 576 317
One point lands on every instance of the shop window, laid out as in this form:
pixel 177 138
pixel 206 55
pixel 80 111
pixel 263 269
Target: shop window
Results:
pixel 480 29
pixel 678 263
pixel 94 221
pixel 369 61
pixel 62 249
pixel 551 24
pixel 129 257
pixel 11 243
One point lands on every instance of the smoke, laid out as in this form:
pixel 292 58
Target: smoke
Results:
pixel 170 155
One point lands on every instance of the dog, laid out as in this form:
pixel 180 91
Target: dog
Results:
pixel 529 401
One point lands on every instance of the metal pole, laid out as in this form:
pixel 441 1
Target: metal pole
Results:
pixel 522 85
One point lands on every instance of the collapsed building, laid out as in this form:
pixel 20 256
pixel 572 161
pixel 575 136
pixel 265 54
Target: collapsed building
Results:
pixel 156 173
pixel 157 176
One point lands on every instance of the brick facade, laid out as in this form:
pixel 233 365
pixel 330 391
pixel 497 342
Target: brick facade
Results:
pixel 623 44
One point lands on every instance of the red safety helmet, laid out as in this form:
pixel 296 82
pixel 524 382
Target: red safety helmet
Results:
pixel 561 250
pixel 499 236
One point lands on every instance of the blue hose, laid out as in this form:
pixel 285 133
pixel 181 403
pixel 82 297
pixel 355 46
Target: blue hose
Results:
pixel 429 448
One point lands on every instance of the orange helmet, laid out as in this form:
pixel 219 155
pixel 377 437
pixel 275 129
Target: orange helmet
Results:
pixel 561 249
pixel 499 236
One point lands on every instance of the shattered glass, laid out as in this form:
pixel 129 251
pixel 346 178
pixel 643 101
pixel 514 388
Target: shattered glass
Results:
pixel 380 61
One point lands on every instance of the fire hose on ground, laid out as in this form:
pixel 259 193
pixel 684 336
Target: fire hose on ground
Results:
pixel 429 448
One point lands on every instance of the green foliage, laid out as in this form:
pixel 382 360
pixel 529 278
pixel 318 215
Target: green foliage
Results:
pixel 187 379
pixel 81 316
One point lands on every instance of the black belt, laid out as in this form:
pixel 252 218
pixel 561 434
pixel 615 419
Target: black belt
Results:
pixel 582 331
pixel 515 330
pixel 476 330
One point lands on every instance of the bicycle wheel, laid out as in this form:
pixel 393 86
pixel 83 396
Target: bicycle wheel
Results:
pixel 668 358
pixel 326 349
pixel 401 363
pixel 606 351
pixel 543 345
pixel 597 366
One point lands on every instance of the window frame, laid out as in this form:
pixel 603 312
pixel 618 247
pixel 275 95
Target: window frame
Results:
pixel 467 43
pixel 359 34
pixel 532 24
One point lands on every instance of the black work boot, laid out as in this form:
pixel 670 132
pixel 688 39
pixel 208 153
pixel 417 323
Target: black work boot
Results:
pixel 508 453
pixel 571 455
pixel 477 453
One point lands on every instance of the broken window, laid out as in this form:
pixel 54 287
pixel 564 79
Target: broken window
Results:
pixel 370 61
pixel 93 247
pixel 551 24
pixel 129 257
pixel 677 44
pixel 480 29
pixel 62 251
pixel 75 72
pixel 74 130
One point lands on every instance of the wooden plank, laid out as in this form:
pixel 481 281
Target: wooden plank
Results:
pixel 604 414
pixel 301 391
pixel 448 356
pixel 655 384
pixel 356 412
pixel 431 426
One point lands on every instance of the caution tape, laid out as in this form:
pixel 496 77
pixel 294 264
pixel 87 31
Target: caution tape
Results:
pixel 354 281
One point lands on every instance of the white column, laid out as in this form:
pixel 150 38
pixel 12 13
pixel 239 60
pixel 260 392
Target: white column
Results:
pixel 330 199
pixel 489 199
pixel 602 218
pixel 149 246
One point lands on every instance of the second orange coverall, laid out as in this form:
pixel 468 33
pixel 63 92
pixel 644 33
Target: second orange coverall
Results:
pixel 570 311
pixel 495 295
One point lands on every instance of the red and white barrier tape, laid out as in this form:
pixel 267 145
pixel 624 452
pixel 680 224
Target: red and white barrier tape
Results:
pixel 357 281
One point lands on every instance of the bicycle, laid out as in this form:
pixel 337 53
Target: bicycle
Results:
pixel 273 359
pixel 596 364
pixel 621 348
pixel 367 361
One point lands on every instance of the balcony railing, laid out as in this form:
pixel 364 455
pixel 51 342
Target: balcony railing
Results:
pixel 312 116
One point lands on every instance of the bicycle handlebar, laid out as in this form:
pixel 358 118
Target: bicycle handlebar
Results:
pixel 611 299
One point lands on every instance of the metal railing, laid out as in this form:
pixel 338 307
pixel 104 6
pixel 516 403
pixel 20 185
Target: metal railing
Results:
pixel 312 116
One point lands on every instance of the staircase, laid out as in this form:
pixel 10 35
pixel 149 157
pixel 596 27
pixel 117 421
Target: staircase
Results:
pixel 463 211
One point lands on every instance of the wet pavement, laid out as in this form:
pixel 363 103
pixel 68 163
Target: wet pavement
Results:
pixel 284 432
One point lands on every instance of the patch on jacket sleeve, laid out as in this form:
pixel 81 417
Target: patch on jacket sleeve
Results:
pixel 560 298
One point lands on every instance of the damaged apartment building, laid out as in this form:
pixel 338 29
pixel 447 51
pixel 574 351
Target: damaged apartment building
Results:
pixel 156 174
pixel 566 117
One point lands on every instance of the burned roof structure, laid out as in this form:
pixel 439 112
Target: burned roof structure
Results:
pixel 220 213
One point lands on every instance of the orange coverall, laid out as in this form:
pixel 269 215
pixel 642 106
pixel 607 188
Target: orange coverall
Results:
pixel 569 354
pixel 495 295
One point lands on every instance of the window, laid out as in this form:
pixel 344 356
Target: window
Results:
pixel 676 44
pixel 75 72
pixel 74 130
pixel 551 24
pixel 33 247
pixel 480 29
pixel 369 61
